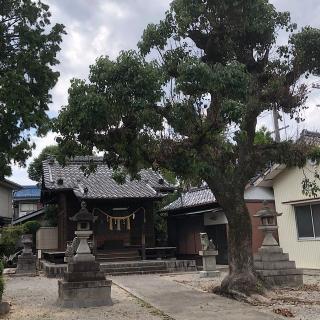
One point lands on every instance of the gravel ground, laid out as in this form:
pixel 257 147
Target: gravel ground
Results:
pixel 301 303
pixel 34 299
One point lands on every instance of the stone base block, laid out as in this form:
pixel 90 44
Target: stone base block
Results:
pixel 209 274
pixel 84 294
pixel 26 265
pixel 288 280
pixel 4 307
pixel 276 269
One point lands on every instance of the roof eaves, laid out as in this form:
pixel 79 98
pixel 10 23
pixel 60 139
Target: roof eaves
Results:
pixel 10 184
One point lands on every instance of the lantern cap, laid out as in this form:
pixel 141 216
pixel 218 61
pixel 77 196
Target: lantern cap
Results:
pixel 83 215
pixel 266 211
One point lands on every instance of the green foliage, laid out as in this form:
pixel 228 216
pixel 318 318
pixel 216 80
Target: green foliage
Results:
pixel 160 218
pixel 35 167
pixel 31 227
pixel 9 237
pixel 263 136
pixel 51 215
pixel 28 49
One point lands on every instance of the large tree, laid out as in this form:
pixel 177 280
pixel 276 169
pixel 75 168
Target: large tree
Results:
pixel 194 109
pixel 28 49
pixel 35 167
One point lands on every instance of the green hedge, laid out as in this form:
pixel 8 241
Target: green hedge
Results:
pixel 12 234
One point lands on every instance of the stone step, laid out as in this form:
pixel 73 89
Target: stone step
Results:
pixel 119 251
pixel 133 264
pixel 116 259
pixel 283 272
pixel 121 273
pixel 274 265
pixel 271 257
pixel 116 254
pixel 134 270
pixel 271 249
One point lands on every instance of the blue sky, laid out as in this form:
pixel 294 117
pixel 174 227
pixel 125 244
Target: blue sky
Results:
pixel 105 27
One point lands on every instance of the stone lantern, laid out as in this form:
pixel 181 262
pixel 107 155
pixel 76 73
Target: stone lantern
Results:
pixel 27 260
pixel 84 220
pixel 84 283
pixel 268 219
pixel 271 263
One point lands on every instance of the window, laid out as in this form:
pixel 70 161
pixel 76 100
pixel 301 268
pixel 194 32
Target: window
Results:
pixel 26 208
pixel 308 221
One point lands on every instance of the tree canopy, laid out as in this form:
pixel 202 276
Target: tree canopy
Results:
pixel 35 167
pixel 28 50
pixel 193 110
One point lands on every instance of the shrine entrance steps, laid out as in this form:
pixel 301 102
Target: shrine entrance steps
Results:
pixel 118 255
pixel 53 270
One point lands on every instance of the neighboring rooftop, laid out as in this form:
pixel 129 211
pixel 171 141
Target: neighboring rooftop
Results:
pixel 29 216
pixel 310 137
pixel 192 198
pixel 9 184
pixel 27 193
pixel 100 184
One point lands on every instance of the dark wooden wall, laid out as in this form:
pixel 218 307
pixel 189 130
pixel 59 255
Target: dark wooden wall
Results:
pixel 68 205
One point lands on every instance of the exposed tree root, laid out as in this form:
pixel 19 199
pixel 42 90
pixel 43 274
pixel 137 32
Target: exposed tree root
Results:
pixel 240 286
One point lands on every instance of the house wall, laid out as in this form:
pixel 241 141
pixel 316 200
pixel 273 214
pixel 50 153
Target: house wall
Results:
pixel 6 209
pixel 287 187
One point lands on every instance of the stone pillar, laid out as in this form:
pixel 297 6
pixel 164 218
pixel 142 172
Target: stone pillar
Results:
pixel 27 260
pixel 209 263
pixel 208 254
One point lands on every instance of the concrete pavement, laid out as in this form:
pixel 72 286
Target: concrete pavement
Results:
pixel 185 303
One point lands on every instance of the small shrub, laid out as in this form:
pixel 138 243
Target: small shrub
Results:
pixel 31 227
pixel 10 237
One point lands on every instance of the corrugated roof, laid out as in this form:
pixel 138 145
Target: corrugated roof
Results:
pixel 100 184
pixel 27 192
pixel 192 198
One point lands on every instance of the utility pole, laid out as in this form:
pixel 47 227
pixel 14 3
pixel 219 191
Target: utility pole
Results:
pixel 277 130
pixel 276 124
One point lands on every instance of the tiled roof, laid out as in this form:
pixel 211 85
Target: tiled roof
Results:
pixel 192 198
pixel 27 192
pixel 100 184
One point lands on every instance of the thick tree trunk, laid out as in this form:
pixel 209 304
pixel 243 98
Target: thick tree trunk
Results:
pixel 242 277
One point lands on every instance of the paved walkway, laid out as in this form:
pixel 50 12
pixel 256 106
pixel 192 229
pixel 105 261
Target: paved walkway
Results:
pixel 184 303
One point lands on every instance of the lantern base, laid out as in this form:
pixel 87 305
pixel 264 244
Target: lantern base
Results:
pixel 276 269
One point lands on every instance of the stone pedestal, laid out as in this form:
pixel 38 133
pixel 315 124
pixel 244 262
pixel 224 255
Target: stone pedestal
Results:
pixel 276 269
pixel 84 284
pixel 209 263
pixel 27 260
